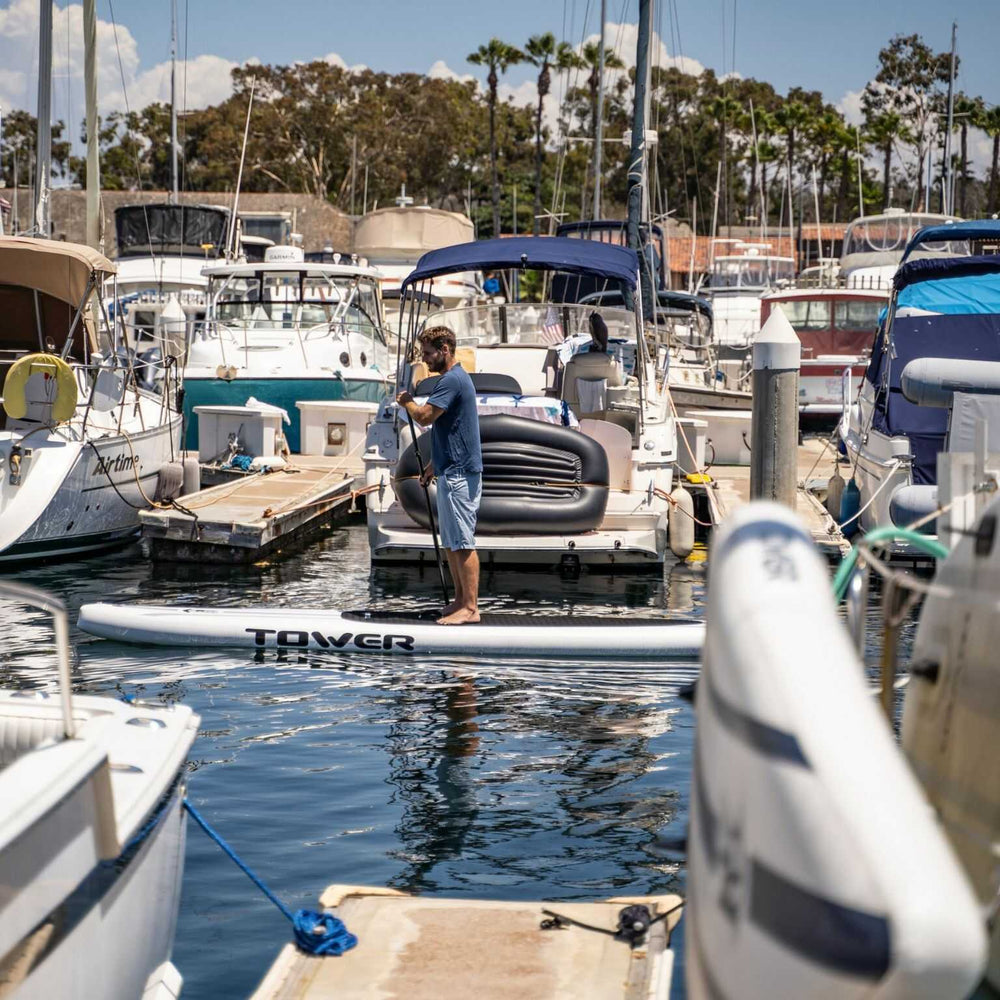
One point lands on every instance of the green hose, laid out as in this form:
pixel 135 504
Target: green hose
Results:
pixel 885 534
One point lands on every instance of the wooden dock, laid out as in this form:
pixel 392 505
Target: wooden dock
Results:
pixel 250 517
pixel 730 487
pixel 428 948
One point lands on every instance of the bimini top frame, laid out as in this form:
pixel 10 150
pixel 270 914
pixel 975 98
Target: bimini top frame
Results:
pixel 525 253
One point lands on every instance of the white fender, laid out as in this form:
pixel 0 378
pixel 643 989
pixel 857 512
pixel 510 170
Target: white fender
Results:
pixel 816 868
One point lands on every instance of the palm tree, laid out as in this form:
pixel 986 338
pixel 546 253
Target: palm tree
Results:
pixel 882 131
pixel 498 56
pixel 543 52
pixel 792 119
pixel 989 122
pixel 967 110
pixel 767 152
pixel 591 56
pixel 726 111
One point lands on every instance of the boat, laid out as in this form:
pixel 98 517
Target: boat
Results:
pixel 836 327
pixel 945 305
pixel 951 711
pixel 395 633
pixel 83 442
pixel 738 277
pixel 816 867
pixel 874 245
pixel 393 239
pixel 91 836
pixel 158 293
pixel 564 485
pixel 285 331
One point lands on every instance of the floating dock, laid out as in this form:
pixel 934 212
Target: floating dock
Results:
pixel 816 458
pixel 426 948
pixel 251 517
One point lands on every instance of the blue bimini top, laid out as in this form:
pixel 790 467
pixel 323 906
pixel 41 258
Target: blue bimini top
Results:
pixel 536 253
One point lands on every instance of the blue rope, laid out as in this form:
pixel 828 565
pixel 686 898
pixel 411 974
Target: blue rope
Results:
pixel 315 933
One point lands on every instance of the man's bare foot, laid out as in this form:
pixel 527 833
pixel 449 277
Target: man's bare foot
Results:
pixel 450 609
pixel 463 616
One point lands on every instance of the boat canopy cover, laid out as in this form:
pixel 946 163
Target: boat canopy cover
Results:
pixel 955 232
pixel 405 233
pixel 59 272
pixel 950 284
pixel 155 229
pixel 52 267
pixel 537 253
pixel 974 337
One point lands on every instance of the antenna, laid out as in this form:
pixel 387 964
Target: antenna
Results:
pixel 231 241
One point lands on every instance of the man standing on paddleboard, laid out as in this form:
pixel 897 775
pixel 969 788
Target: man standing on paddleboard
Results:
pixel 457 462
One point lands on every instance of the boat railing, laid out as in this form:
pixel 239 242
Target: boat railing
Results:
pixel 528 324
pixel 36 598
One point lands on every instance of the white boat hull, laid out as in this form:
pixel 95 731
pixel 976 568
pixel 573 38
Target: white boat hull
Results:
pixel 383 634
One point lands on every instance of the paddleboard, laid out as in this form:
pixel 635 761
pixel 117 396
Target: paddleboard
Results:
pixel 381 632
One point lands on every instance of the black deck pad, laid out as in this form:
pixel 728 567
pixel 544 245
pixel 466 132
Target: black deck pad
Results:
pixel 512 618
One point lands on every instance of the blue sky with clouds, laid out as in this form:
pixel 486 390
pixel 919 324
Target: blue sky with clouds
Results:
pixel 831 46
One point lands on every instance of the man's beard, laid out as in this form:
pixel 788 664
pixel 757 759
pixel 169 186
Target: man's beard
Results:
pixel 436 366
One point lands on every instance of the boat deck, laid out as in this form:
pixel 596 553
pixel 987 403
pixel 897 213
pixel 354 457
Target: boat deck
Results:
pixel 253 516
pixel 426 948
pixel 816 460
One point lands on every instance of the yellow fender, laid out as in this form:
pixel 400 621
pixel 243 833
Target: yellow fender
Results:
pixel 14 401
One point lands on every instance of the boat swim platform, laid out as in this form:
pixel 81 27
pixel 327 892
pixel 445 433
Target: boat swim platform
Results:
pixel 431 948
pixel 730 489
pixel 249 518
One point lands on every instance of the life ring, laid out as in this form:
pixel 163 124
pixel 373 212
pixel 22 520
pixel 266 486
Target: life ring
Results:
pixel 14 399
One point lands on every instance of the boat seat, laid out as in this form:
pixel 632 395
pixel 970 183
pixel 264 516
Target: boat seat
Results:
pixel 617 443
pixel 20 734
pixel 591 366
pixel 483 382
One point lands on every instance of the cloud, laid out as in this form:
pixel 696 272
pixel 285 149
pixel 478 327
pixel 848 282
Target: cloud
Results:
pixel 850 107
pixel 208 79
pixel 440 70
pixel 335 59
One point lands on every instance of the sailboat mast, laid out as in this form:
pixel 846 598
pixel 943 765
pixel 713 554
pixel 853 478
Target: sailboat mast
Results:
pixel 173 101
pixel 637 162
pixel 90 88
pixel 947 196
pixel 43 144
pixel 598 132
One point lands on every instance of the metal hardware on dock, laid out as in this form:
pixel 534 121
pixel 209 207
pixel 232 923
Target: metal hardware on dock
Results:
pixel 251 517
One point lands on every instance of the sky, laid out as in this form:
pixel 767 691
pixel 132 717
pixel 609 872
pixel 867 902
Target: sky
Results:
pixel 827 46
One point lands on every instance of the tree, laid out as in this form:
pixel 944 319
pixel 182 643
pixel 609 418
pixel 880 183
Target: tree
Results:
pixel 498 56
pixel 543 52
pixel 792 120
pixel 910 76
pixel 882 130
pixel 989 122
pixel 968 111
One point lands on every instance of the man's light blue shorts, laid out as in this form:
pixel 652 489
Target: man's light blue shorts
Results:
pixel 458 496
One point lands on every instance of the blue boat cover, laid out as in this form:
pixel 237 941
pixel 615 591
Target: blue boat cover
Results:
pixel 538 253
pixel 982 229
pixel 970 337
pixel 922 269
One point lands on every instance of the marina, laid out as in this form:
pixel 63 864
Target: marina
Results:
pixel 524 533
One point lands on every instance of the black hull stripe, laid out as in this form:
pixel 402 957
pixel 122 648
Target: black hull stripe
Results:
pixel 822 931
pixel 764 738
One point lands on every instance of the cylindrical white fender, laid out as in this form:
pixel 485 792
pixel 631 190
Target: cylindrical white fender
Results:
pixel 192 476
pixel 815 867
pixel 834 493
pixel 680 522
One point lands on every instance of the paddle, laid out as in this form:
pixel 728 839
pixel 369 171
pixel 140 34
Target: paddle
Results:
pixel 430 511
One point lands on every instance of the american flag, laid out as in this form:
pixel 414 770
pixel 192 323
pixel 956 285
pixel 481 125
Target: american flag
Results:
pixel 552 331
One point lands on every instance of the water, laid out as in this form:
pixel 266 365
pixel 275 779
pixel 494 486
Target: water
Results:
pixel 514 780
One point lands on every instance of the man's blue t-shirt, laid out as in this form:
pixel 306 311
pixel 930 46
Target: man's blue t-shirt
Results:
pixel 455 434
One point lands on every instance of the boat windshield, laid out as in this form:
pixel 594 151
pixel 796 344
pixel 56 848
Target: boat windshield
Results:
pixel 272 300
pixel 807 314
pixel 751 272
pixel 859 315
pixel 886 234
pixel 529 324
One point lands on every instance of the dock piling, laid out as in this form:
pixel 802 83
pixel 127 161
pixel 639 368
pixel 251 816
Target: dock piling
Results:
pixel 774 431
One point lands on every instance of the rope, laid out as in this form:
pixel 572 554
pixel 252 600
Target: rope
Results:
pixel 871 499
pixel 315 933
